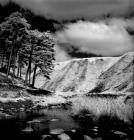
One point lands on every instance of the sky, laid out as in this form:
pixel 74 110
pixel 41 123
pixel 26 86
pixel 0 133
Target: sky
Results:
pixel 95 34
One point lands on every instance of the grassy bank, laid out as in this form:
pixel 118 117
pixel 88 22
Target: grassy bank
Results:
pixel 105 109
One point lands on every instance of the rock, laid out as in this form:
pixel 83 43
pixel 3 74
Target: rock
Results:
pixel 54 120
pixel 87 137
pixel 96 127
pixel 64 136
pixel 1 109
pixel 56 131
pixel 73 130
pixel 22 109
pixel 95 130
pixel 46 137
pixel 33 121
pixel 119 133
pixel 27 130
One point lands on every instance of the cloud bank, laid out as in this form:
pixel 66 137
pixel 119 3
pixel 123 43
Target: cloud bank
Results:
pixel 71 9
pixel 107 38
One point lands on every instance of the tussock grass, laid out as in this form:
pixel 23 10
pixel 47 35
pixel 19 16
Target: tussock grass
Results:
pixel 105 106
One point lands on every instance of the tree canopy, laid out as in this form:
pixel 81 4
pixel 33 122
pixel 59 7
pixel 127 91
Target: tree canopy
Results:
pixel 22 47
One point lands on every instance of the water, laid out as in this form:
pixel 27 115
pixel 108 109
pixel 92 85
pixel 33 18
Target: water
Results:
pixel 44 122
pixel 34 126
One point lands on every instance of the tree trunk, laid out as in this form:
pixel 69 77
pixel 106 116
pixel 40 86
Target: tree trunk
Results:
pixel 20 71
pixel 26 76
pixel 14 65
pixel 30 74
pixel 18 66
pixel 34 75
pixel 27 73
pixel 10 58
pixel 29 67
pixel 3 56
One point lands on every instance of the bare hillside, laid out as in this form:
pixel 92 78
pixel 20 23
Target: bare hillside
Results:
pixel 93 75
pixel 78 75
pixel 119 77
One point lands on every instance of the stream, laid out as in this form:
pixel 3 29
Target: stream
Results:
pixel 54 124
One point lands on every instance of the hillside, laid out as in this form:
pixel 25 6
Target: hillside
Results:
pixel 78 75
pixel 119 77
pixel 93 74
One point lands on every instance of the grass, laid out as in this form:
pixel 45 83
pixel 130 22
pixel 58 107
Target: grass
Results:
pixel 112 108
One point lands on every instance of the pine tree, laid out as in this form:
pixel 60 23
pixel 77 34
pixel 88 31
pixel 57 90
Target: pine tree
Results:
pixel 39 53
pixel 44 55
pixel 13 29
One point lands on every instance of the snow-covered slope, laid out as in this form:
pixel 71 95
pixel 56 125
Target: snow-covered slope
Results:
pixel 80 75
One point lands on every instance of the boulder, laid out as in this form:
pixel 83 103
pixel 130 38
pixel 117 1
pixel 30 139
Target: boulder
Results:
pixel 56 131
pixel 64 136
pixel 120 134
pixel 46 137
pixel 33 121
pixel 87 137
pixel 27 130
pixel 73 130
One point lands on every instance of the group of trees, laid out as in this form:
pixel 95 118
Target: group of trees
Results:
pixel 22 47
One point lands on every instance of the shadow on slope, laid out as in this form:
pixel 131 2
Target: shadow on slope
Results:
pixel 119 77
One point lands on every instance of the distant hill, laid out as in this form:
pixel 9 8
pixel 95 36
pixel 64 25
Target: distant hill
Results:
pixel 93 75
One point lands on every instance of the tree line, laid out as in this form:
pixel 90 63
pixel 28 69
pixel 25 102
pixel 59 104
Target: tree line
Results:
pixel 23 48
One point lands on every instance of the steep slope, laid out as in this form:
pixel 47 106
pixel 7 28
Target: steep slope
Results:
pixel 78 75
pixel 119 77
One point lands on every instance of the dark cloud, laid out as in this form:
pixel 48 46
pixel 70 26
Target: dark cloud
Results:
pixel 71 9
pixel 107 37
pixel 36 21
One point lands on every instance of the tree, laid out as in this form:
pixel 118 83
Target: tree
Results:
pixel 13 31
pixel 2 48
pixel 27 48
pixel 39 53
pixel 44 55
